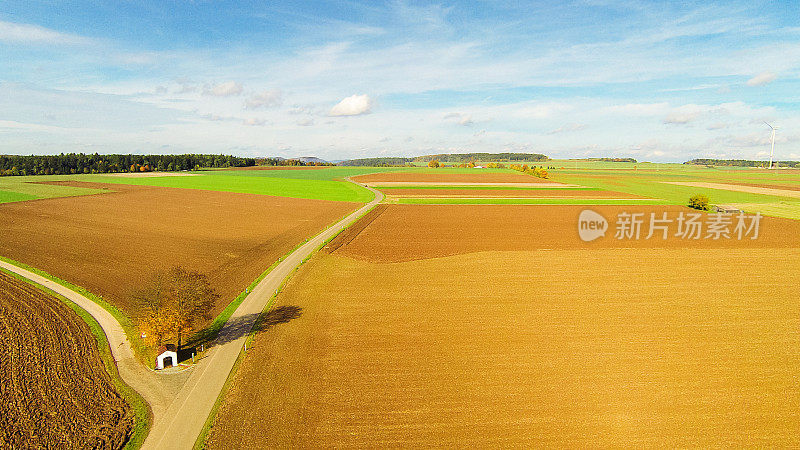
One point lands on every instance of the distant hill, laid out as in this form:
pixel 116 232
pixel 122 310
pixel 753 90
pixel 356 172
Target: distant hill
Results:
pixel 311 159
pixel 627 160
pixel 740 163
pixel 491 157
pixel 446 157
pixel 377 162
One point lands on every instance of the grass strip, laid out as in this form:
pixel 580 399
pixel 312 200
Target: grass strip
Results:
pixel 200 443
pixel 142 413
pixel 209 333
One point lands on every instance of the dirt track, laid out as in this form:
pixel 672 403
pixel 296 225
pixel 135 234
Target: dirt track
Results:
pixel 112 243
pixel 55 390
pixel 561 348
pixel 408 232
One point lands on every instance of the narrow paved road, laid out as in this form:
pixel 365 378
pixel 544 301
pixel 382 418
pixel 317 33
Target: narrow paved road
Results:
pixel 183 421
pixel 181 406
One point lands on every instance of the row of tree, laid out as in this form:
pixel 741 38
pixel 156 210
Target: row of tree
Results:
pixel 390 161
pixel 289 162
pixel 626 160
pixel 72 163
pixel 457 158
pixel 537 171
pixel 740 163
pixel 495 157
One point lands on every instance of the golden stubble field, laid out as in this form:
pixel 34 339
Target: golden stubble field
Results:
pixel 561 347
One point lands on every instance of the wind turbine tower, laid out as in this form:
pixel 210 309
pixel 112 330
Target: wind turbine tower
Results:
pixel 772 150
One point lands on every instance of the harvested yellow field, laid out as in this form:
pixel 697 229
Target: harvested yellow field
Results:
pixel 568 347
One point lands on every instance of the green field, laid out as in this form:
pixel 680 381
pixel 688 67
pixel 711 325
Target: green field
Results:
pixel 320 184
pixel 18 189
pixel 651 181
pixel 643 179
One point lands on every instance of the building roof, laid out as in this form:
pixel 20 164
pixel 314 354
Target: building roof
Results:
pixel 166 348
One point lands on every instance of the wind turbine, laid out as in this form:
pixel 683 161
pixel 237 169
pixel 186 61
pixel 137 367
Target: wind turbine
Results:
pixel 773 144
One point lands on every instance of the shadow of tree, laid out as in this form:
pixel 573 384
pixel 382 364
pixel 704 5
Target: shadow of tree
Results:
pixel 237 327
pixel 277 316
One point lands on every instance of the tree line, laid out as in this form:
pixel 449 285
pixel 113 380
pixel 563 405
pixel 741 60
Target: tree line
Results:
pixel 289 162
pixel 539 171
pixel 458 158
pixel 740 163
pixel 495 157
pixel 74 163
pixel 626 160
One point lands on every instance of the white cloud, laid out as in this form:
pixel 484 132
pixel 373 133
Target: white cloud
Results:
pixel 266 99
pixel 307 122
pixel 762 79
pixel 352 106
pixel 34 34
pixel 254 122
pixel 227 89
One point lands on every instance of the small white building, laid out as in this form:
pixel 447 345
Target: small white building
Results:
pixel 167 356
pixel 727 209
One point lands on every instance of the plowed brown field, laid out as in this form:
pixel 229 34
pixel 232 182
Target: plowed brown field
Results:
pixel 565 348
pixel 435 176
pixel 112 243
pixel 560 344
pixel 55 391
pixel 509 193
pixel 408 232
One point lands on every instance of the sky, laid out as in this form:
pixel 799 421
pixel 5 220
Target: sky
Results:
pixel 653 80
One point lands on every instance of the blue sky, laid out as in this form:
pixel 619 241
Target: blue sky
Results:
pixel 658 81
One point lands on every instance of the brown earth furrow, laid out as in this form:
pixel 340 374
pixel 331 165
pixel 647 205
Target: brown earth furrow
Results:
pixel 431 231
pixel 526 349
pixel 55 390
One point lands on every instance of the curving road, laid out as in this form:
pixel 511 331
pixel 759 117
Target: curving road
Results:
pixel 157 391
pixel 180 408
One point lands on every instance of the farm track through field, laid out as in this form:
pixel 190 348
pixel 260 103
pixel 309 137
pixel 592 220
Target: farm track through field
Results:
pixel 55 390
pixel 181 401
pixel 181 424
